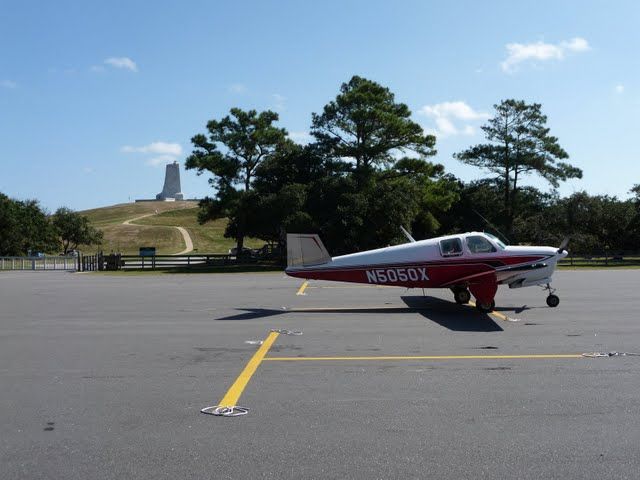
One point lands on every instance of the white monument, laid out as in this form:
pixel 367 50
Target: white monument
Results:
pixel 171 190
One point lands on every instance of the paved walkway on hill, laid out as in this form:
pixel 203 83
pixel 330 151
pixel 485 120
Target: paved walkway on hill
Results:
pixel 183 231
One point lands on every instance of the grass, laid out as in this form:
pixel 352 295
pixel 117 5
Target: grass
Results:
pixel 124 211
pixel 207 238
pixel 156 230
pixel 128 239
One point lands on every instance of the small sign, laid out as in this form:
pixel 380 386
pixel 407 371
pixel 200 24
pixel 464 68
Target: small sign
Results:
pixel 147 251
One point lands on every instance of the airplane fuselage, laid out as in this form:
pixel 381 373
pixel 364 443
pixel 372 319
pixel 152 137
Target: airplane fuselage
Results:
pixel 472 260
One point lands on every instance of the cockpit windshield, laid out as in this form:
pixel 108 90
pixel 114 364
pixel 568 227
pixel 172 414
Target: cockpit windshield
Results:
pixel 496 240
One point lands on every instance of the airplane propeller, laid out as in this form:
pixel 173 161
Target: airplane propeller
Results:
pixel 563 244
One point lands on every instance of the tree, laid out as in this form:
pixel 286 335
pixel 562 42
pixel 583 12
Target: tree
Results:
pixel 24 228
pixel 366 125
pixel 234 149
pixel 282 185
pixel 74 229
pixel 519 145
pixel 634 224
pixel 9 232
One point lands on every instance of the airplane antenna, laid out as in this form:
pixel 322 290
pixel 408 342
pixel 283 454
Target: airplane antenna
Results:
pixel 407 234
pixel 504 237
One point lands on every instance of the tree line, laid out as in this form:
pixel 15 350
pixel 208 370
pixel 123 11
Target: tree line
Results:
pixel 368 171
pixel 27 229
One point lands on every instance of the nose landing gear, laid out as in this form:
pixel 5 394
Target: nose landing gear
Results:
pixel 552 299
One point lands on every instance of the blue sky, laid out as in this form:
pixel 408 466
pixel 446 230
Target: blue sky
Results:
pixel 95 97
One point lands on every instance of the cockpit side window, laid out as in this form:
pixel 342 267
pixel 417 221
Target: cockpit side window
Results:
pixel 478 244
pixel 501 245
pixel 450 247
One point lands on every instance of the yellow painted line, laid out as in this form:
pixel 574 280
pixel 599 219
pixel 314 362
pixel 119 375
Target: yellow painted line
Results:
pixel 303 287
pixel 233 394
pixel 425 357
pixel 495 314
pixel 354 286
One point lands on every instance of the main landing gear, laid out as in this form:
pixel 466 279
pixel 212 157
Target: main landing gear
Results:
pixel 484 292
pixel 552 299
pixel 461 295
pixel 485 307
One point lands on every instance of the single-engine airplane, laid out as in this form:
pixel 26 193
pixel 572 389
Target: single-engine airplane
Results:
pixel 472 263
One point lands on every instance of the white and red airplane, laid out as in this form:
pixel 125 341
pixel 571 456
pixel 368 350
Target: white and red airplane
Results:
pixel 472 263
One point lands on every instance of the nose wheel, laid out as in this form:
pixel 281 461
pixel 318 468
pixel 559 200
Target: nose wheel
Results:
pixel 552 299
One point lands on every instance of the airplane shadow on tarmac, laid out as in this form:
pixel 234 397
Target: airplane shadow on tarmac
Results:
pixel 449 315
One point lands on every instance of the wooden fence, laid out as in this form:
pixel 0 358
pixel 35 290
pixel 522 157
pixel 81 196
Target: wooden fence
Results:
pixel 100 262
pixel 602 259
pixel 137 262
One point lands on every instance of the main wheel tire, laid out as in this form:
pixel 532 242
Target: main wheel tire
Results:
pixel 462 296
pixel 486 307
pixel 553 301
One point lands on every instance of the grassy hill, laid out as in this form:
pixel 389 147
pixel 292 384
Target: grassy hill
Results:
pixel 157 229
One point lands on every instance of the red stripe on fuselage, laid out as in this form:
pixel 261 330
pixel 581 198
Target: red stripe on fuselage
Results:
pixel 412 275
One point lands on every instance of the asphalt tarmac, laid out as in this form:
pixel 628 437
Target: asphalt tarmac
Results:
pixel 103 377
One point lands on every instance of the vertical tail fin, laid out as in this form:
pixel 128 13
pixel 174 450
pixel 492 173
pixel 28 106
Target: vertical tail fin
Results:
pixel 304 250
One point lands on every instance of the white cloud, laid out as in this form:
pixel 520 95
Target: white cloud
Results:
pixel 163 152
pixel 300 137
pixel 540 51
pixel 468 130
pixel 457 109
pixel 279 101
pixel 97 68
pixel 619 88
pixel 122 62
pixel 237 88
pixel 8 84
pixel 160 160
pixel 576 44
pixel 447 114
pixel 161 148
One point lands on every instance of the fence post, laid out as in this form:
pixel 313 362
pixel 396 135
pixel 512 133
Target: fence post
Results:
pixel 153 262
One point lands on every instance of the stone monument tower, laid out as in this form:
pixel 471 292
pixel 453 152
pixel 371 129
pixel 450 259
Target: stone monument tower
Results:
pixel 171 189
